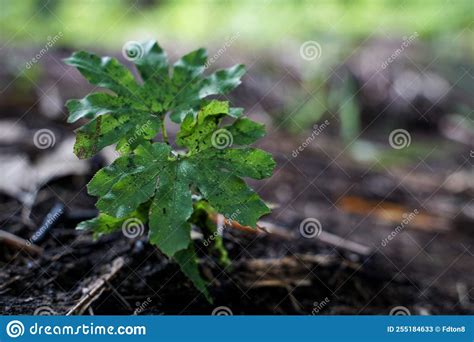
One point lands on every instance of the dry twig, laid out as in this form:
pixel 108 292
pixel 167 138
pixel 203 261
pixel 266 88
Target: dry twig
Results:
pixel 94 291
pixel 18 243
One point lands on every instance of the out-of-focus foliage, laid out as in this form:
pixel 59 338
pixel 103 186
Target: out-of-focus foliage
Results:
pixel 261 23
pixel 269 34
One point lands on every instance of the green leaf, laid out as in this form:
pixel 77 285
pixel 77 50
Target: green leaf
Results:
pixel 102 224
pixel 109 129
pixel 187 261
pixel 218 171
pixel 153 64
pixel 222 81
pixel 246 131
pixel 95 105
pixel 130 180
pixel 229 194
pixel 105 178
pixel 244 162
pixel 189 66
pixel 105 224
pixel 115 117
pixel 150 182
pixel 128 193
pixel 236 112
pixel 153 174
pixel 105 72
pixel 171 209
pixel 196 133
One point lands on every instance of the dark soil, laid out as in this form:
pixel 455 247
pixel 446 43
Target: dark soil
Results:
pixel 351 283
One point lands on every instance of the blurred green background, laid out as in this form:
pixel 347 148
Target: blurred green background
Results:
pixel 262 23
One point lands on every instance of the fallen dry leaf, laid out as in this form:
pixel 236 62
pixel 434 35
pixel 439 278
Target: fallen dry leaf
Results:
pixel 21 178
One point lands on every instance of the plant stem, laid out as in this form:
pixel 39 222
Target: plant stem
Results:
pixel 163 132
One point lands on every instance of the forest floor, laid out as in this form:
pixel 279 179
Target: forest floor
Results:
pixel 426 268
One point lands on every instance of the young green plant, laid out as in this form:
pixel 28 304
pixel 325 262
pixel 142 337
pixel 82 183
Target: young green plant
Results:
pixel 168 186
